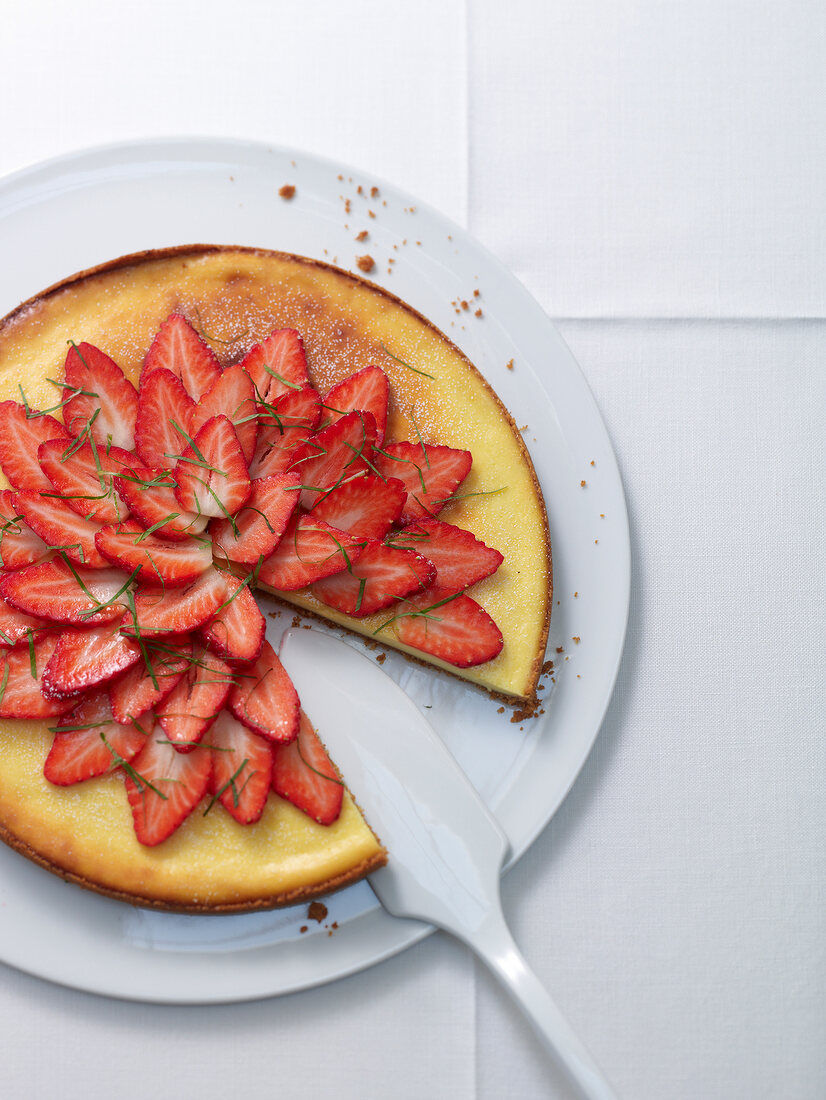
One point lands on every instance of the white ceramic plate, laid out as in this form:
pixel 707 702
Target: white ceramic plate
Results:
pixel 81 210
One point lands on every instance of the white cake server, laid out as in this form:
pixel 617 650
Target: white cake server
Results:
pixel 445 848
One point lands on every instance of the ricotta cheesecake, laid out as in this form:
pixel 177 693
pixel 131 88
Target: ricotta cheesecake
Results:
pixel 290 428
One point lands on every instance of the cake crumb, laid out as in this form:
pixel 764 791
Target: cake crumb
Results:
pixel 347 206
pixel 369 643
pixel 576 594
pixel 287 191
pixel 296 621
pixel 382 657
pixel 317 911
pixel 509 364
pixel 370 214
pixel 576 639
pixel 303 928
pixel 359 190
pixel 362 236
pixel 560 649
pixel 477 313
pixel 546 668
pixel 274 614
pixel 582 484
pixel 374 192
pixel 593 463
pixel 465 304
pixel 602 515
pixel 365 263
pixel 501 710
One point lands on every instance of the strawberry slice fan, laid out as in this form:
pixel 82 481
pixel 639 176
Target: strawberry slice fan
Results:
pixel 134 532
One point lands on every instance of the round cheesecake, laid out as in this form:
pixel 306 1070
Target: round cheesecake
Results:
pixel 235 297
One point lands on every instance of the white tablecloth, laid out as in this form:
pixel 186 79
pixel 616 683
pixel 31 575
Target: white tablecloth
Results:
pixel 654 173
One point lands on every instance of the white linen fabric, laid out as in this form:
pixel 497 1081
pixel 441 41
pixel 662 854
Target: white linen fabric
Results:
pixel 655 174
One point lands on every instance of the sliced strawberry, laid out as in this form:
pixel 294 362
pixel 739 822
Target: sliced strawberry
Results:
pixel 365 506
pixel 275 448
pixel 60 527
pixel 21 434
pixel 212 474
pixel 431 474
pixel 381 576
pixel 164 414
pixel 160 561
pixel 460 558
pixel 177 610
pixel 62 593
pixel 295 408
pixel 145 685
pixel 100 396
pixel 277 365
pixel 90 742
pixel 21 673
pixel 178 348
pixel 82 477
pixel 191 707
pixel 309 550
pixel 164 787
pixel 16 626
pixel 368 390
pixel 236 633
pixel 19 545
pixel 241 768
pixel 333 454
pixel 263 698
pixel 232 395
pixel 150 497
pixel 86 656
pixel 256 529
pixel 450 626
pixel 303 773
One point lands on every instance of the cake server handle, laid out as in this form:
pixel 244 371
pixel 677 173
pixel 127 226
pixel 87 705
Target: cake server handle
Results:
pixel 494 944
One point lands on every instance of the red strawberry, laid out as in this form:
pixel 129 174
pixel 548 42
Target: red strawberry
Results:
pixel 277 365
pixel 274 450
pixel 295 408
pixel 178 348
pixel 303 773
pixel 177 610
pixel 236 633
pixel 164 787
pixel 82 477
pixel 256 529
pixel 66 594
pixel 368 390
pixel 86 656
pixel 263 698
pixel 212 474
pixel 140 688
pixel 21 434
pixel 310 549
pixel 19 545
pixel 164 414
pixel 16 626
pixel 161 562
pixel 333 454
pixel 232 395
pixel 97 388
pixel 460 558
pixel 381 576
pixel 60 527
pixel 150 497
pixel 241 768
pixel 191 707
pixel 431 474
pixel 90 742
pixel 450 626
pixel 365 506
pixel 21 672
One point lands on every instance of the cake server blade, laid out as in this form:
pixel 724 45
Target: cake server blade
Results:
pixel 445 848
